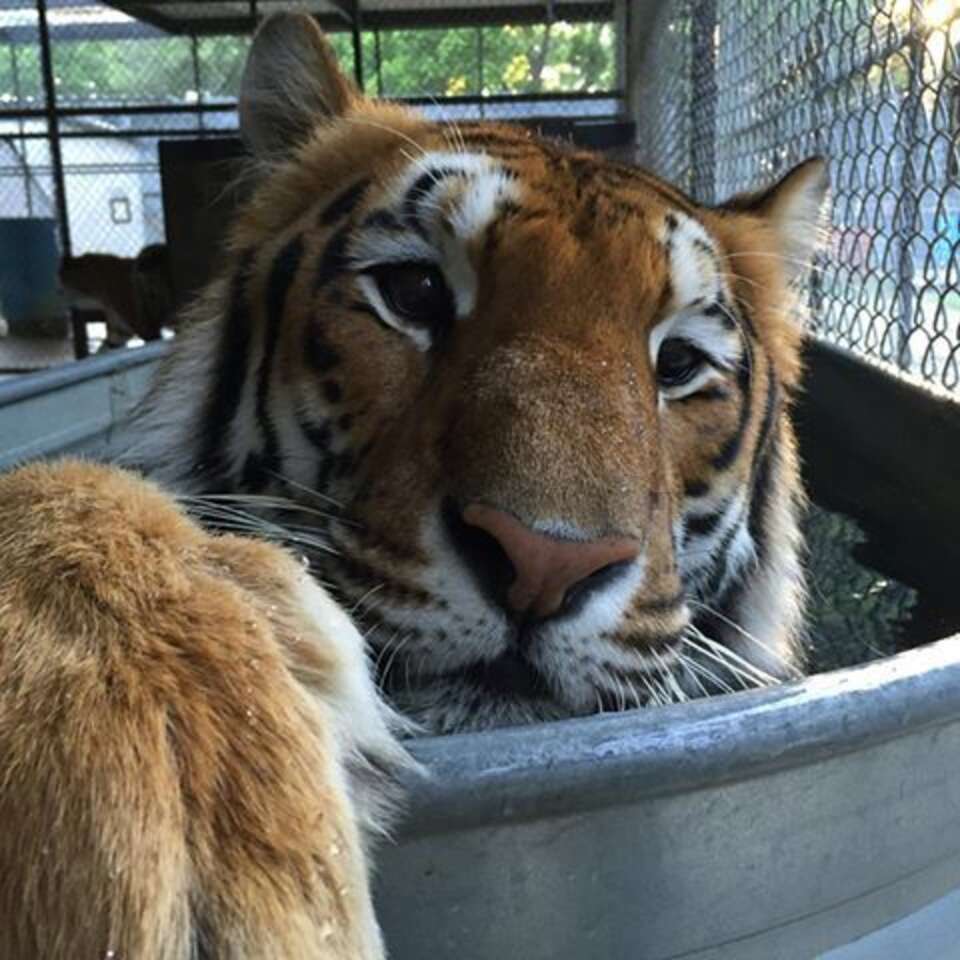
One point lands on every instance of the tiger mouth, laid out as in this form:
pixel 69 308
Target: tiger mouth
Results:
pixel 511 673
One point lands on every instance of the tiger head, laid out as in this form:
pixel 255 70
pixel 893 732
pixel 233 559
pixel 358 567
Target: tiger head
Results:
pixel 534 403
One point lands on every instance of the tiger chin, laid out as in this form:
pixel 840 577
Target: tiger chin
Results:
pixel 524 413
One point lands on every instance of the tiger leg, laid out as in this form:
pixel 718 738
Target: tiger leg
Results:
pixel 189 737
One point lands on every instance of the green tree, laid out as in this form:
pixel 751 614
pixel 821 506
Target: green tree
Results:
pixel 541 58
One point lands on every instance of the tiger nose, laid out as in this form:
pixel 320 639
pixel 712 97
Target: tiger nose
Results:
pixel 550 575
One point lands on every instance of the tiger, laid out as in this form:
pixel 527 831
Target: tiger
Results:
pixel 518 418
pixel 135 293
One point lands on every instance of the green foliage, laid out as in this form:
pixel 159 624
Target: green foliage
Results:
pixel 493 60
pixel 539 58
pixel 20 77
pixel 855 614
pixel 143 69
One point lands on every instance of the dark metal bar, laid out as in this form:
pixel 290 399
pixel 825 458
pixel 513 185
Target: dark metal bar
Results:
pixel 197 83
pixel 346 9
pixel 907 216
pixel 132 109
pixel 147 14
pixel 480 57
pixel 171 132
pixel 379 55
pixel 81 346
pixel 190 108
pixel 357 43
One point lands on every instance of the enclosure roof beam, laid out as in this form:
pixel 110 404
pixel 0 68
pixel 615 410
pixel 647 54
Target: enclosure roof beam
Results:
pixel 146 13
pixel 409 19
pixel 349 9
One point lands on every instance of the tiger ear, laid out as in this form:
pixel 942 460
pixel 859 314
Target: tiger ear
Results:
pixel 291 82
pixel 797 207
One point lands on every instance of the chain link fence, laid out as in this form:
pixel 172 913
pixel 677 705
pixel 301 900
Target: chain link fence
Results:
pixel 740 90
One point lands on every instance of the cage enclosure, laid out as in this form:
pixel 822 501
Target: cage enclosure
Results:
pixel 818 818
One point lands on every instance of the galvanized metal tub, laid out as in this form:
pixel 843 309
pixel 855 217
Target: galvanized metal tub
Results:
pixel 819 819
pixel 773 824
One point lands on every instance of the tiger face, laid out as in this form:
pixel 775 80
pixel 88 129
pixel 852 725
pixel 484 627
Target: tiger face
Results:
pixel 534 403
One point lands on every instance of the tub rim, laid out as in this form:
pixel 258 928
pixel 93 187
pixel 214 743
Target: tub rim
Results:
pixel 573 766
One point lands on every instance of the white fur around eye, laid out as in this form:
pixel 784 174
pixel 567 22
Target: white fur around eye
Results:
pixel 369 288
pixel 721 345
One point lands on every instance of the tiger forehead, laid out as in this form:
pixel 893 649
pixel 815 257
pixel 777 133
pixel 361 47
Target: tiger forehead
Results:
pixel 506 174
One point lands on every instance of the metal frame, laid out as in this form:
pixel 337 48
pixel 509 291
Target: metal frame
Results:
pixel 350 15
pixel 348 11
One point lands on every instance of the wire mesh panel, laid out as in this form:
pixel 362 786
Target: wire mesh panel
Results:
pixel 128 73
pixel 873 86
pixel 87 89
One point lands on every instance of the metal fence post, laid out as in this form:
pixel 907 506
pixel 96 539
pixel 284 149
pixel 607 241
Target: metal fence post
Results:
pixel 703 65
pixel 357 37
pixel 80 344
pixel 908 207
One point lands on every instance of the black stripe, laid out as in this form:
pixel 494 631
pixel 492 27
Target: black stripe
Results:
pixel 256 473
pixel 420 189
pixel 744 313
pixel 344 203
pixel 283 272
pixel 320 355
pixel 760 498
pixel 696 488
pixel 718 569
pixel 332 391
pixel 762 472
pixel 382 220
pixel 728 452
pixel 333 260
pixel 230 374
pixel 722 312
pixel 701 524
pixel 319 434
pixel 325 469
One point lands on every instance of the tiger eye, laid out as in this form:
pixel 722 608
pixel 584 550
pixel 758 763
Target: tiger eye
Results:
pixel 416 293
pixel 678 361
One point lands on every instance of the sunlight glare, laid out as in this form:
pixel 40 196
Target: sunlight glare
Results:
pixel 938 13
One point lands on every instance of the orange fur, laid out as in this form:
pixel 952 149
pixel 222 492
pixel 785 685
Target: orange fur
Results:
pixel 167 770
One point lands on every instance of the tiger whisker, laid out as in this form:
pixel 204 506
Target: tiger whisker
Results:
pixel 303 488
pixel 791 668
pixel 229 518
pixel 733 658
pixel 687 666
pixel 746 673
pixel 701 670
pixel 357 607
pixel 669 679
pixel 396 643
pixel 262 501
